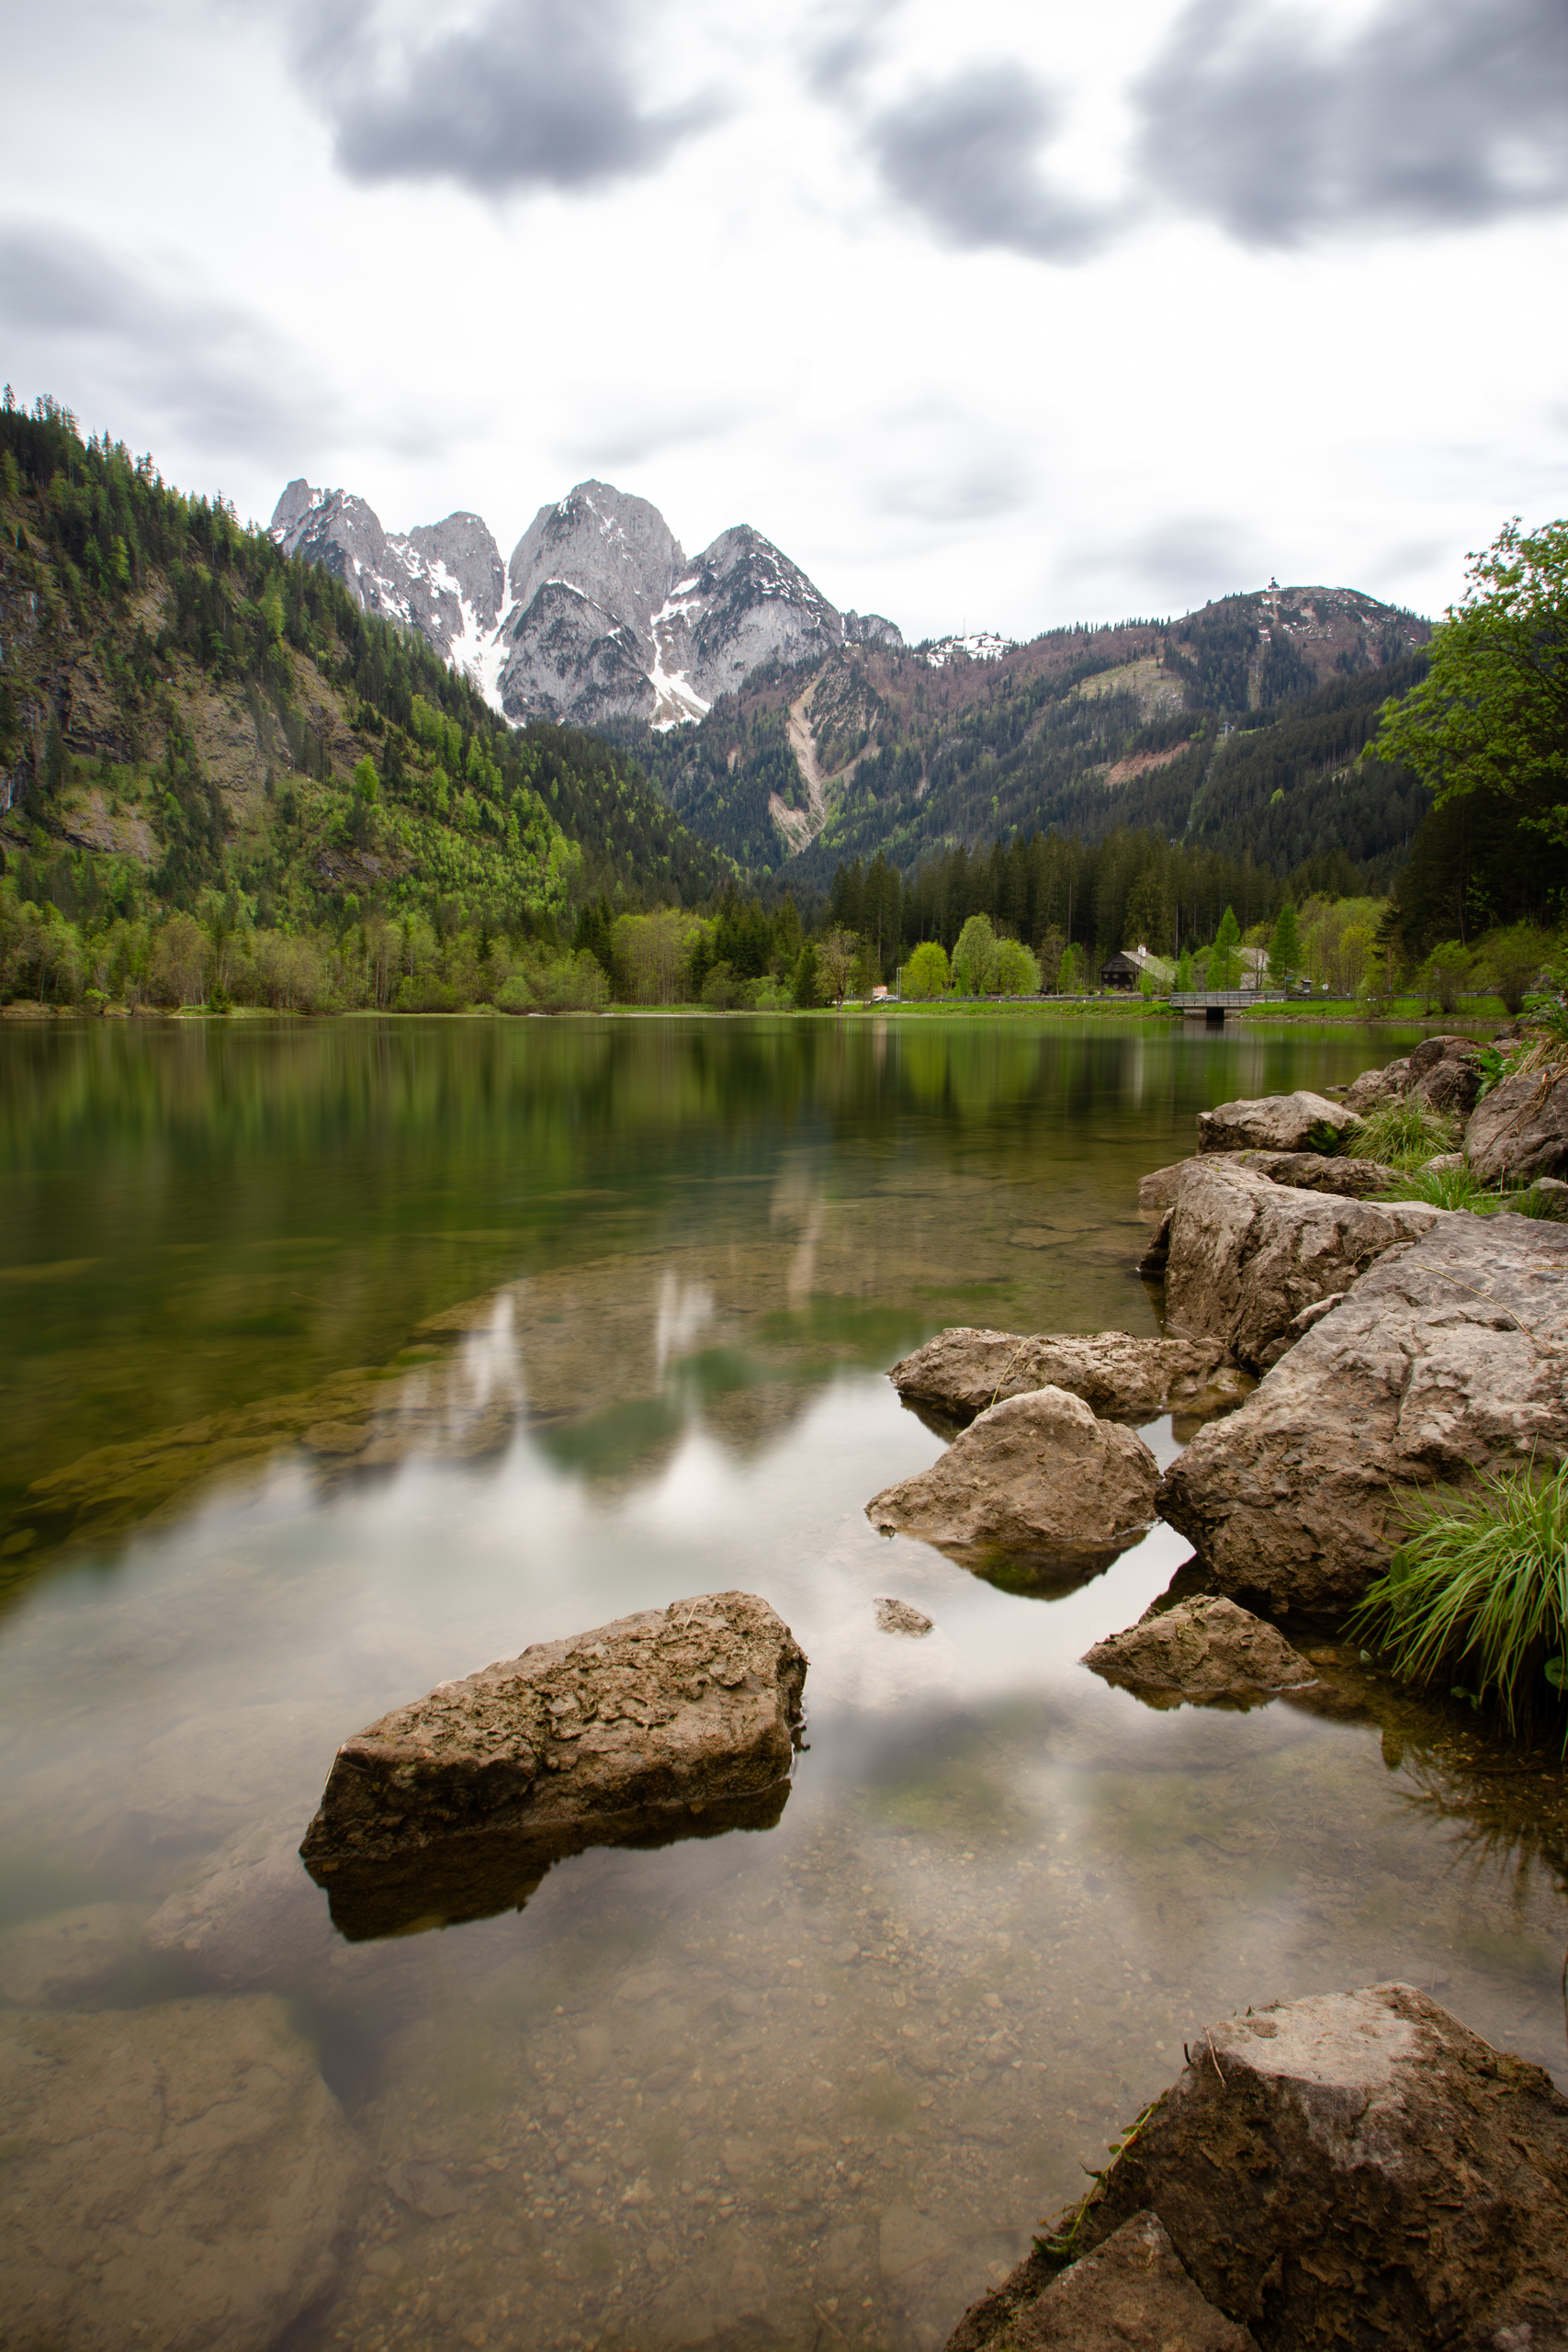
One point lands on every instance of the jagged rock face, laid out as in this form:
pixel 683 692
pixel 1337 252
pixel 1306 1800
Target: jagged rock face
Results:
pixel 444 579
pixel 1447 1358
pixel 677 632
pixel 600 614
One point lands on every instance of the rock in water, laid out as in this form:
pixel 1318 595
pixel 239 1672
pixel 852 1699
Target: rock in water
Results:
pixel 1308 1171
pixel 1130 2295
pixel 178 2175
pixel 1243 1256
pixel 1359 2168
pixel 1273 1123
pixel 1205 1648
pixel 1522 1129
pixel 631 1731
pixel 962 1371
pixel 1037 1475
pixel 897 1617
pixel 1447 1358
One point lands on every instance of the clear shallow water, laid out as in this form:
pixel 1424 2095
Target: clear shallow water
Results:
pixel 796 2088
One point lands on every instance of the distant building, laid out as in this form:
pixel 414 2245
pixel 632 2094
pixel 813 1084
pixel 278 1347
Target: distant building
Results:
pixel 1127 969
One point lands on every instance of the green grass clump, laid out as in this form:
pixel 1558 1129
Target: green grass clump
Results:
pixel 1477 1596
pixel 1402 1134
pixel 1449 1188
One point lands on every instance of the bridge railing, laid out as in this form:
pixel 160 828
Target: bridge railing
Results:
pixel 1200 999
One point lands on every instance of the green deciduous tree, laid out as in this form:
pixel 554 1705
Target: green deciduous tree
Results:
pixel 1016 971
pixel 974 957
pixel 1492 714
pixel 926 974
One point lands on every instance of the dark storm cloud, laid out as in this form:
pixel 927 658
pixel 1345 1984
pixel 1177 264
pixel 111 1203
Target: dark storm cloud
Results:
pixel 540 94
pixel 966 155
pixel 97 328
pixel 1435 114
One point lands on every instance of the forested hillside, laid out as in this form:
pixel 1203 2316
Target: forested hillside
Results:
pixel 187 717
pixel 910 754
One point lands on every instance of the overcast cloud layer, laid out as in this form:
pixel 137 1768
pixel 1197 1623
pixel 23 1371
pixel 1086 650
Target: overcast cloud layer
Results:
pixel 998 317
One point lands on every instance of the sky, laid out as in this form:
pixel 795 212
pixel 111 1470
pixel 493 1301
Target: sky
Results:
pixel 991 316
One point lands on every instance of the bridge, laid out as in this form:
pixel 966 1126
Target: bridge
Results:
pixel 1214 1003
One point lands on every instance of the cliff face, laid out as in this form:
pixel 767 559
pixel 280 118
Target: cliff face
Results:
pixel 600 614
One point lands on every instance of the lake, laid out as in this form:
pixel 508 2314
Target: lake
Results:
pixel 343 1358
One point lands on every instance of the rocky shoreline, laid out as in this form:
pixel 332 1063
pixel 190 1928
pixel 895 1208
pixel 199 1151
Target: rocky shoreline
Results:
pixel 1356 2168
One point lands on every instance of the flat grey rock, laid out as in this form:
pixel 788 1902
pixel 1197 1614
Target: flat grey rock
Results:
pixel 965 1370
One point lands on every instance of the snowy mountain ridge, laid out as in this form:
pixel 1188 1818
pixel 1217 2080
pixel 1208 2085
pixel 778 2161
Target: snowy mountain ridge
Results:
pixel 599 614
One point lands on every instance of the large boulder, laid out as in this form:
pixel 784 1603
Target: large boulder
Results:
pixel 1130 2295
pixel 1202 1648
pixel 1446 1074
pixel 1243 1256
pixel 1521 1131
pixel 1036 1475
pixel 1359 2168
pixel 964 1371
pixel 621 1731
pixel 176 2176
pixel 1449 1357
pixel 1306 1172
pixel 1376 1087
pixel 1274 1122
pixel 1349 2169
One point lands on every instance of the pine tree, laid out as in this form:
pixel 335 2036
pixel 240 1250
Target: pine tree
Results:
pixel 1284 948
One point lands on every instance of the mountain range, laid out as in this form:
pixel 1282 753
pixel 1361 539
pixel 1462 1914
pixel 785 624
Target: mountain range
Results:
pixel 599 616
pixel 791 735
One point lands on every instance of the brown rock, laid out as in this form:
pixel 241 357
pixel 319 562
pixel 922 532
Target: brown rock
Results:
pixel 1130 2295
pixel 1447 1358
pixel 1273 1123
pixel 962 1371
pixel 1204 1648
pixel 650 1718
pixel 1450 1083
pixel 1243 1255
pixel 897 1617
pixel 1037 1475
pixel 177 2175
pixel 1358 2168
pixel 1377 1086
pixel 1521 1131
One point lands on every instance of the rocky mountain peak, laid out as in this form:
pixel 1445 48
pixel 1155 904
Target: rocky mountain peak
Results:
pixel 600 613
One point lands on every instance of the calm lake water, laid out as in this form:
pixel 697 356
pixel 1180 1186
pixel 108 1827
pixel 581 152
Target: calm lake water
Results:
pixel 354 1356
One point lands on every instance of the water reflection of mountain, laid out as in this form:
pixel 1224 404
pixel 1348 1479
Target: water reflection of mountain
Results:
pixel 225 1231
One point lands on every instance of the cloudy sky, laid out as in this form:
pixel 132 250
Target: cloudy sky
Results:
pixel 997 315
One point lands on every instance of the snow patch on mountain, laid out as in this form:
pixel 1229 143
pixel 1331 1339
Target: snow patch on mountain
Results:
pixel 600 612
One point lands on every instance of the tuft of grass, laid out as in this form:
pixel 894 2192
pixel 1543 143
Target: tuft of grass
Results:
pixel 1476 1598
pixel 1402 1134
pixel 1451 1188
